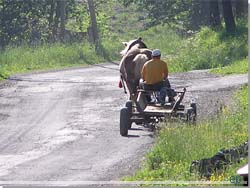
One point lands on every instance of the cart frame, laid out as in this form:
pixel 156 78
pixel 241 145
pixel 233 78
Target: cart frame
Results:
pixel 141 111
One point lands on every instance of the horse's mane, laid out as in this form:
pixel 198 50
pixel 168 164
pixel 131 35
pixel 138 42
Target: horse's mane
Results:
pixel 131 44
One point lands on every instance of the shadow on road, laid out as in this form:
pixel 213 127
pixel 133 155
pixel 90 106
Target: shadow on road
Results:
pixel 136 129
pixel 133 136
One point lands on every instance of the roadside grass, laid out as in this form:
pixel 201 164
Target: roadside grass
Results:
pixel 205 49
pixel 211 49
pixel 237 67
pixel 25 58
pixel 177 145
pixel 110 48
pixel 163 38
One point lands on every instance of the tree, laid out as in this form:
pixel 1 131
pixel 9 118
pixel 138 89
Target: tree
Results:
pixel 209 13
pixel 51 14
pixel 59 19
pixel 94 29
pixel 21 21
pixel 214 13
pixel 62 6
pixel 205 13
pixel 195 15
pixel 228 16
pixel 162 11
pixel 192 14
pixel 46 20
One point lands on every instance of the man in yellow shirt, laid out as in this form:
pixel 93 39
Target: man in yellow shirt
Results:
pixel 155 75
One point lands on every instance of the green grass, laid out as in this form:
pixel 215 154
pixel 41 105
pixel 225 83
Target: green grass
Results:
pixel 237 67
pixel 25 59
pixel 204 50
pixel 210 49
pixel 164 39
pixel 178 145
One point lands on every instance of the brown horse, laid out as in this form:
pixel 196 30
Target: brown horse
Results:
pixel 134 56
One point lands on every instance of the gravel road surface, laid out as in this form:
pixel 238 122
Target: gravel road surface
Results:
pixel 64 125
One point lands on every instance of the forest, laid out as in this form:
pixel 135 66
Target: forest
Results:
pixel 35 21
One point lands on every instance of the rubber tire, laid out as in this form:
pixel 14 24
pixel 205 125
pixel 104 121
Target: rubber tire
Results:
pixel 129 105
pixel 124 121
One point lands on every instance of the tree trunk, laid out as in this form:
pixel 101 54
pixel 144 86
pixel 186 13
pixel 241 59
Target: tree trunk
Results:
pixel 51 18
pixel 56 21
pixel 196 15
pixel 205 12
pixel 228 16
pixel 51 13
pixel 214 13
pixel 62 18
pixel 93 21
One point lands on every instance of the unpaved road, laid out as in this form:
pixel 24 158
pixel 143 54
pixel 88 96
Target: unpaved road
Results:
pixel 64 125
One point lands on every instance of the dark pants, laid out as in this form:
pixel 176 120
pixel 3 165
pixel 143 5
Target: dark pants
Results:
pixel 163 87
pixel 158 86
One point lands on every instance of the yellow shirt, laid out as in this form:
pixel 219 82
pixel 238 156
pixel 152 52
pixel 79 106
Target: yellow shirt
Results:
pixel 153 71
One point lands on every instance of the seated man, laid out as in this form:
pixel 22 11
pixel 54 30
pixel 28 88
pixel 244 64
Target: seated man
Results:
pixel 155 75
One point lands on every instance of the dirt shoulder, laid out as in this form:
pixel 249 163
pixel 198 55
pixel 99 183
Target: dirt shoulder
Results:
pixel 211 92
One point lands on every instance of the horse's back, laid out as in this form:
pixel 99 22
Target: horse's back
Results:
pixel 139 61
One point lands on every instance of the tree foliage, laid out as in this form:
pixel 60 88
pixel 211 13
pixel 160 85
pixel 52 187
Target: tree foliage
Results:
pixel 191 14
pixel 35 21
pixel 45 20
pixel 22 20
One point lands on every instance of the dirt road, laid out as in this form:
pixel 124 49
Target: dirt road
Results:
pixel 64 125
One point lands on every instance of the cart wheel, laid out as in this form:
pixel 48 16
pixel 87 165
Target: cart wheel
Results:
pixel 129 105
pixel 124 121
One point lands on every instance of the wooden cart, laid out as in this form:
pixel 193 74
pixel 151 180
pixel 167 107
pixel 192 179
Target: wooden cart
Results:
pixel 142 111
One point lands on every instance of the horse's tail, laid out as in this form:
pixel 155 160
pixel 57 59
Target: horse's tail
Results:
pixel 122 84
